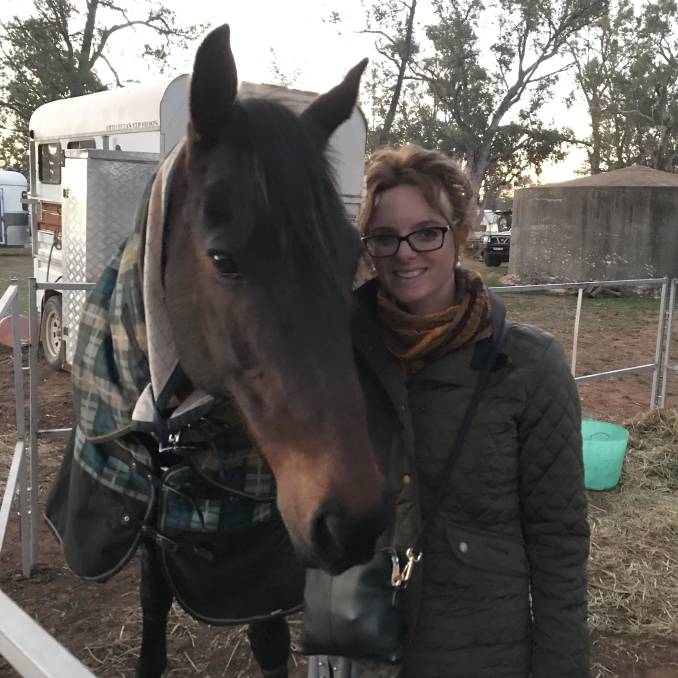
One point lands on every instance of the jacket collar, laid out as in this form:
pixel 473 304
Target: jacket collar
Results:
pixel 369 345
pixel 458 368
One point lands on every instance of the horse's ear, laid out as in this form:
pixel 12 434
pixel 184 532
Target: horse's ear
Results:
pixel 214 84
pixel 329 110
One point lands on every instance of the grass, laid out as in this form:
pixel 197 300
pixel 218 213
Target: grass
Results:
pixel 494 277
pixel 634 306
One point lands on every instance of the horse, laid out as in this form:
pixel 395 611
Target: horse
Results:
pixel 256 266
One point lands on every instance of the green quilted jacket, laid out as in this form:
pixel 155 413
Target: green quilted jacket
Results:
pixel 501 589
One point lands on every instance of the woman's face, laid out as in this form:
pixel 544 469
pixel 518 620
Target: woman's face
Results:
pixel 420 282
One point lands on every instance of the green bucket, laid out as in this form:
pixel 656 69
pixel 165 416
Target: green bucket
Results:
pixel 604 450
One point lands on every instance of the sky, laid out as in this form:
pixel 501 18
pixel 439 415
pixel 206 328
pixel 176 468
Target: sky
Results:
pixel 305 44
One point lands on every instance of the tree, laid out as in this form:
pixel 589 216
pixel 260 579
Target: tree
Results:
pixel 659 58
pixel 473 83
pixel 602 57
pixel 392 22
pixel 473 90
pixel 519 148
pixel 627 71
pixel 59 51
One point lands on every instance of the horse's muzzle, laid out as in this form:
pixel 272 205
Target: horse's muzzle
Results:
pixel 339 540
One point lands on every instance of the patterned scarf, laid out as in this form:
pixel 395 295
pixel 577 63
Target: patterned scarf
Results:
pixel 419 340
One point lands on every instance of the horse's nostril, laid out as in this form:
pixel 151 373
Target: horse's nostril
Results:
pixel 340 541
pixel 326 536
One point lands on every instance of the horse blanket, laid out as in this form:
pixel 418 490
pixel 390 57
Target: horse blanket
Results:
pixel 151 457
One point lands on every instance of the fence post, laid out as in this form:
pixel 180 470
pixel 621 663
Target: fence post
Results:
pixel 24 490
pixel 575 339
pixel 17 362
pixel 656 373
pixel 34 414
pixel 667 343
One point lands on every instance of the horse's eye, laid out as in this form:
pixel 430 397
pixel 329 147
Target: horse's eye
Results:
pixel 225 266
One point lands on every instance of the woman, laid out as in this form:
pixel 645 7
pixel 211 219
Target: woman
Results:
pixel 501 588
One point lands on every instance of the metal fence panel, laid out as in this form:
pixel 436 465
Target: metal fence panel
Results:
pixel 31 650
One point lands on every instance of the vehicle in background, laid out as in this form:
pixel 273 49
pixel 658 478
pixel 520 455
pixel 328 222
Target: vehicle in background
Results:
pixel 82 152
pixel 13 209
pixel 495 248
pixel 495 244
pixel 492 241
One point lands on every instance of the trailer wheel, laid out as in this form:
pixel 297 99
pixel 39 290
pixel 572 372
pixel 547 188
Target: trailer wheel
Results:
pixel 53 346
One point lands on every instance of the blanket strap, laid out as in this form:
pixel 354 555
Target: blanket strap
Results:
pixel 167 544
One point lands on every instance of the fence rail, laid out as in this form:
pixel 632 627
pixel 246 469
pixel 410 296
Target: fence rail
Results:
pixel 32 651
pixel 18 475
pixel 663 338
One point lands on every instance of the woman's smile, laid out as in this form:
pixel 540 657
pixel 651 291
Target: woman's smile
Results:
pixel 410 273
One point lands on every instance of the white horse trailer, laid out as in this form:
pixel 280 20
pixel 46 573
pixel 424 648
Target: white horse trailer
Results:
pixel 75 144
pixel 13 209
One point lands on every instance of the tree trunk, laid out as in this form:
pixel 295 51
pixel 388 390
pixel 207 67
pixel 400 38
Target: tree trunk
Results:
pixel 404 62
pixel 594 153
pixel 664 125
pixel 480 159
pixel 660 156
pixel 84 65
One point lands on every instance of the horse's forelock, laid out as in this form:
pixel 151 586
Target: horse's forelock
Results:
pixel 274 162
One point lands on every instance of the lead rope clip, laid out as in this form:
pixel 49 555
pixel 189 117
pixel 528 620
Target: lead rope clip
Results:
pixel 399 579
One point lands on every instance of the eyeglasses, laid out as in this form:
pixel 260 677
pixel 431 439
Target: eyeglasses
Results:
pixel 422 240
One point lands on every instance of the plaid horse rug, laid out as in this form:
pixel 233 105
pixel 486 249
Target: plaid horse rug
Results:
pixel 143 463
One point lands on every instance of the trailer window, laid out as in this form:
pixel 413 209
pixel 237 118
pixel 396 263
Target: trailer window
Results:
pixel 82 143
pixel 49 163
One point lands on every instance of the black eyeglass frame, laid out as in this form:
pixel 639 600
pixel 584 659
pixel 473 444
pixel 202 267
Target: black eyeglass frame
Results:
pixel 405 238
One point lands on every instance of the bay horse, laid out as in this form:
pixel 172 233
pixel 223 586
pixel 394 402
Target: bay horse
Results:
pixel 258 258
pixel 259 262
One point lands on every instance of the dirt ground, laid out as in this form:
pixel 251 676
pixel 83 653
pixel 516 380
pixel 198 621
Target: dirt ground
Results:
pixel 100 623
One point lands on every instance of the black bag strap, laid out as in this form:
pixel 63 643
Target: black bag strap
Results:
pixel 463 430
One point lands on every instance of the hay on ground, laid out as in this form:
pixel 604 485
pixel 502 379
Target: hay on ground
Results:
pixel 633 570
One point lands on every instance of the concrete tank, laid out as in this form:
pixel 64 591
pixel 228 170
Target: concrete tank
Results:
pixel 617 225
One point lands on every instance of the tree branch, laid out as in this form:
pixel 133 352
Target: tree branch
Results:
pixel 386 55
pixel 382 34
pixel 567 67
pixel 115 73
pixel 402 67
pixel 108 32
pixel 638 113
pixel 61 20
pixel 84 61
pixel 13 108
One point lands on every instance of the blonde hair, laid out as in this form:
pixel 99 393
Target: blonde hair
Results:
pixel 442 181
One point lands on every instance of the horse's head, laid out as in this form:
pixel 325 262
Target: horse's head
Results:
pixel 259 262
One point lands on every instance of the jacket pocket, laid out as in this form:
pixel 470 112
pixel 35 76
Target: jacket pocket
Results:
pixel 488 551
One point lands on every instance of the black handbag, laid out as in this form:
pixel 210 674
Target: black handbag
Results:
pixel 358 614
